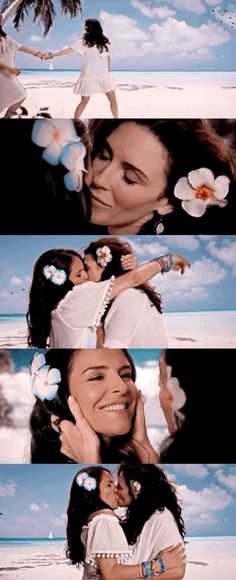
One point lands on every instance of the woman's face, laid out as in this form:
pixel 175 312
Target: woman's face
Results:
pixel 127 180
pixel 77 272
pixel 101 382
pixel 165 396
pixel 107 490
pixel 125 498
pixel 94 271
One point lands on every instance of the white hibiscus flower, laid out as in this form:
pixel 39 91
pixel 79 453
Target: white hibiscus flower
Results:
pixel 177 393
pixel 80 478
pixel 90 484
pixel 104 256
pixel 200 190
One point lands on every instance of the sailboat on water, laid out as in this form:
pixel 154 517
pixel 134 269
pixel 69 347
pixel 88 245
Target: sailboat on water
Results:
pixel 51 66
pixel 50 536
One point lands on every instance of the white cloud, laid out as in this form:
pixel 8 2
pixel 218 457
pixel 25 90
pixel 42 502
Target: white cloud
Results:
pixel 44 505
pixel 192 470
pixel 125 35
pixel 58 521
pixel 34 507
pixel 35 38
pixel 148 249
pixel 187 242
pixel 152 11
pixel 16 280
pixel 201 507
pixel 207 238
pixel 214 465
pixel 16 389
pixel 226 253
pixel 9 489
pixel 227 480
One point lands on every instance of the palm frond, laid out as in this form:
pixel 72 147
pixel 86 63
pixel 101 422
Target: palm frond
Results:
pixel 44 11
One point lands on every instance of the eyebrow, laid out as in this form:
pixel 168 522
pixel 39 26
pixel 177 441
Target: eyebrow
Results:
pixel 126 164
pixel 104 367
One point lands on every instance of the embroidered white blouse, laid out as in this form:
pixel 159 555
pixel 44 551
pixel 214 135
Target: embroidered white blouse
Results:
pixel 160 531
pixel 75 320
pixel 103 537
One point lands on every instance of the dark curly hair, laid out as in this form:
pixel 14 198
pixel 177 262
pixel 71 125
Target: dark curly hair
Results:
pixel 156 493
pixel 94 36
pixel 45 443
pixel 191 144
pixel 206 433
pixel 82 503
pixel 120 248
pixel 45 296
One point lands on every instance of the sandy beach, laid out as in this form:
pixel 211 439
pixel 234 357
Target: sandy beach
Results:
pixel 183 331
pixel 204 561
pixel 138 96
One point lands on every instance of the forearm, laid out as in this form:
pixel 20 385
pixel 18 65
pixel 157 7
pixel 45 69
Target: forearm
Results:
pixel 174 573
pixel 61 52
pixel 29 50
pixel 110 569
pixel 136 277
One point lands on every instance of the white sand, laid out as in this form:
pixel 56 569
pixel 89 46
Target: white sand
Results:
pixel 32 562
pixel 185 331
pixel 151 99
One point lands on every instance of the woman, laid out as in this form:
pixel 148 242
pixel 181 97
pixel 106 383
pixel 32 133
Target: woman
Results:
pixel 141 179
pixel 199 405
pixel 122 326
pixel 92 397
pixel 94 77
pixel 12 92
pixel 68 308
pixel 94 535
pixel 153 518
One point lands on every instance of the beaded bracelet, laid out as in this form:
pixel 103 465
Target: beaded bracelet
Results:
pixel 147 569
pixel 162 565
pixel 166 262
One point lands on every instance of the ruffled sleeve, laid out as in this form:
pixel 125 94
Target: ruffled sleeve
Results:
pixel 13 44
pixel 79 46
pixel 85 305
pixel 105 539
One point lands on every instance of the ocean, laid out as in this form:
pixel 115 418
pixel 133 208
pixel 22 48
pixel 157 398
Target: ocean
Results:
pixel 152 78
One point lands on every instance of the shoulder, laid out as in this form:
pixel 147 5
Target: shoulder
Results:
pixel 131 294
pixel 105 516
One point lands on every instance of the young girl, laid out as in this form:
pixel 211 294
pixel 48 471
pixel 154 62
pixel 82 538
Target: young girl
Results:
pixel 94 77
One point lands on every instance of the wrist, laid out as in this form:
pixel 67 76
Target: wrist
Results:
pixel 51 54
pixel 166 262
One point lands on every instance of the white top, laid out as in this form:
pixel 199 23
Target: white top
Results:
pixel 11 90
pixel 159 532
pixel 103 537
pixel 75 320
pixel 133 321
pixel 94 77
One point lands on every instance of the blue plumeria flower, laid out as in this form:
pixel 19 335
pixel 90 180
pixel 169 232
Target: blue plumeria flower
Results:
pixel 72 157
pixel 53 135
pixel 45 383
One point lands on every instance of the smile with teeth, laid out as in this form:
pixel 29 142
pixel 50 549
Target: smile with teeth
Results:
pixel 117 407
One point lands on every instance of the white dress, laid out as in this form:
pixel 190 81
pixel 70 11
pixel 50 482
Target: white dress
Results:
pixel 75 320
pixel 94 76
pixel 133 321
pixel 160 531
pixel 11 89
pixel 103 537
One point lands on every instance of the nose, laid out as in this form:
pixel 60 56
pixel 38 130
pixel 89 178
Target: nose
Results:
pixel 103 178
pixel 119 385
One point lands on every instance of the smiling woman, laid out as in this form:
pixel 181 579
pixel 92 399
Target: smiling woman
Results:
pixel 93 398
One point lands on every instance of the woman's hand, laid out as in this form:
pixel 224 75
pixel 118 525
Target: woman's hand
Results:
pixel 129 262
pixel 180 263
pixel 173 557
pixel 79 442
pixel 140 440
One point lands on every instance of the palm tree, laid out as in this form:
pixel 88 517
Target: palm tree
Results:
pixel 44 10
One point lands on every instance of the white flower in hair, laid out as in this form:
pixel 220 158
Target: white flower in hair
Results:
pixel 200 190
pixel 104 256
pixel 72 158
pixel 178 395
pixel 136 486
pixel 80 478
pixel 44 379
pixel 53 135
pixel 59 277
pixel 90 483
pixel 49 271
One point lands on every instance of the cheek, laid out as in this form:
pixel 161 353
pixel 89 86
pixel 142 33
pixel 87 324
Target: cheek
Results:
pixel 87 397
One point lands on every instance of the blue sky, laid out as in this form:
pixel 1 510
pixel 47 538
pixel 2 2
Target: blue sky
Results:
pixel 33 498
pixel 210 284
pixel 145 34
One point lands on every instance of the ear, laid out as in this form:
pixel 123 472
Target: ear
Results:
pixel 163 206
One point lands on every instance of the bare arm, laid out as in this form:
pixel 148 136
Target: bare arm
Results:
pixel 144 273
pixel 8 69
pixel 29 50
pixel 62 52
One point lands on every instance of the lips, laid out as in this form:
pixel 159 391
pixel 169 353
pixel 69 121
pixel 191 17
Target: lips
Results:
pixel 97 200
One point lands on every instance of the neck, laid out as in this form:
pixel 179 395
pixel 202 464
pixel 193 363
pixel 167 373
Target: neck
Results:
pixel 128 229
